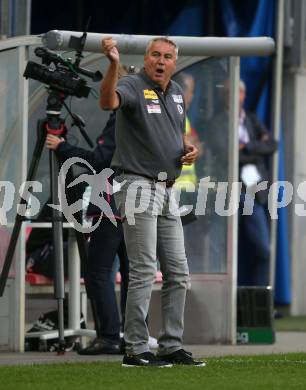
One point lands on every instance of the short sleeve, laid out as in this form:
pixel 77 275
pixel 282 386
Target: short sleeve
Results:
pixel 126 90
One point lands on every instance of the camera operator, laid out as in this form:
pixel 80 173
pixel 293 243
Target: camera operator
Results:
pixel 105 242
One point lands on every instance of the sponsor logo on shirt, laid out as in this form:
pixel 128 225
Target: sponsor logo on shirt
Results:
pixel 180 109
pixel 153 109
pixel 178 98
pixel 149 94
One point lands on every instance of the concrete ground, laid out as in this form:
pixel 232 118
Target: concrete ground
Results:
pixel 286 342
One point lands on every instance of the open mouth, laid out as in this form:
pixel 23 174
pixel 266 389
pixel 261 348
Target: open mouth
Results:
pixel 160 71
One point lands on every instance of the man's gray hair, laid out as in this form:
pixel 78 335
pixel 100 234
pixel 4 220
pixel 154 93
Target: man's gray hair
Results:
pixel 162 39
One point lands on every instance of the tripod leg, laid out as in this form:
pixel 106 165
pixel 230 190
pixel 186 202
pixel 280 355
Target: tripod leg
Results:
pixel 57 231
pixel 73 195
pixel 19 218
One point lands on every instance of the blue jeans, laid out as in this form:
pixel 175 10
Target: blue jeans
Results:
pixel 105 242
pixel 152 233
pixel 253 246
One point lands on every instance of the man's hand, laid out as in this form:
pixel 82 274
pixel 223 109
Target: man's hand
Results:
pixel 110 50
pixel 191 152
pixel 52 141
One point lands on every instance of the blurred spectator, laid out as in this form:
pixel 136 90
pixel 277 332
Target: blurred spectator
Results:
pixel 255 144
pixel 188 178
pixel 187 182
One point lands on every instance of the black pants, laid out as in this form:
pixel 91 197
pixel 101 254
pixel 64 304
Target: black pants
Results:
pixel 105 242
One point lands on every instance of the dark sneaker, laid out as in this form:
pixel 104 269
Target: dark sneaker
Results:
pixel 99 347
pixel 145 359
pixel 182 357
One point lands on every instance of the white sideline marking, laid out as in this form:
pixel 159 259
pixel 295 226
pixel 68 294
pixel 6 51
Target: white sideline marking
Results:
pixel 260 361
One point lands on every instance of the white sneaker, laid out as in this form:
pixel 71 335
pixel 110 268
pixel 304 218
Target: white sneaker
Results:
pixel 152 341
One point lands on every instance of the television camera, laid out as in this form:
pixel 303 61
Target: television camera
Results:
pixel 63 77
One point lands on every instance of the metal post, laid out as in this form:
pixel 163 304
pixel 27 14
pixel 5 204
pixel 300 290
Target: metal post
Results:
pixel 74 282
pixel 232 230
pixel 277 96
pixel 193 46
pixel 17 340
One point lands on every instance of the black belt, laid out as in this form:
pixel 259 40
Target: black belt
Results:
pixel 169 183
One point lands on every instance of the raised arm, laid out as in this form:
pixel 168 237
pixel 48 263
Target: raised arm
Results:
pixel 109 99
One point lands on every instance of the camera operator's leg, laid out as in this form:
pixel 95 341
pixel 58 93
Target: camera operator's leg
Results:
pixel 103 247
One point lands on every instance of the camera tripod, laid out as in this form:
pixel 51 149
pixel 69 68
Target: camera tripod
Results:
pixel 52 124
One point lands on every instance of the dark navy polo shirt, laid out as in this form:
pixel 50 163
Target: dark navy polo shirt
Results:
pixel 150 125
